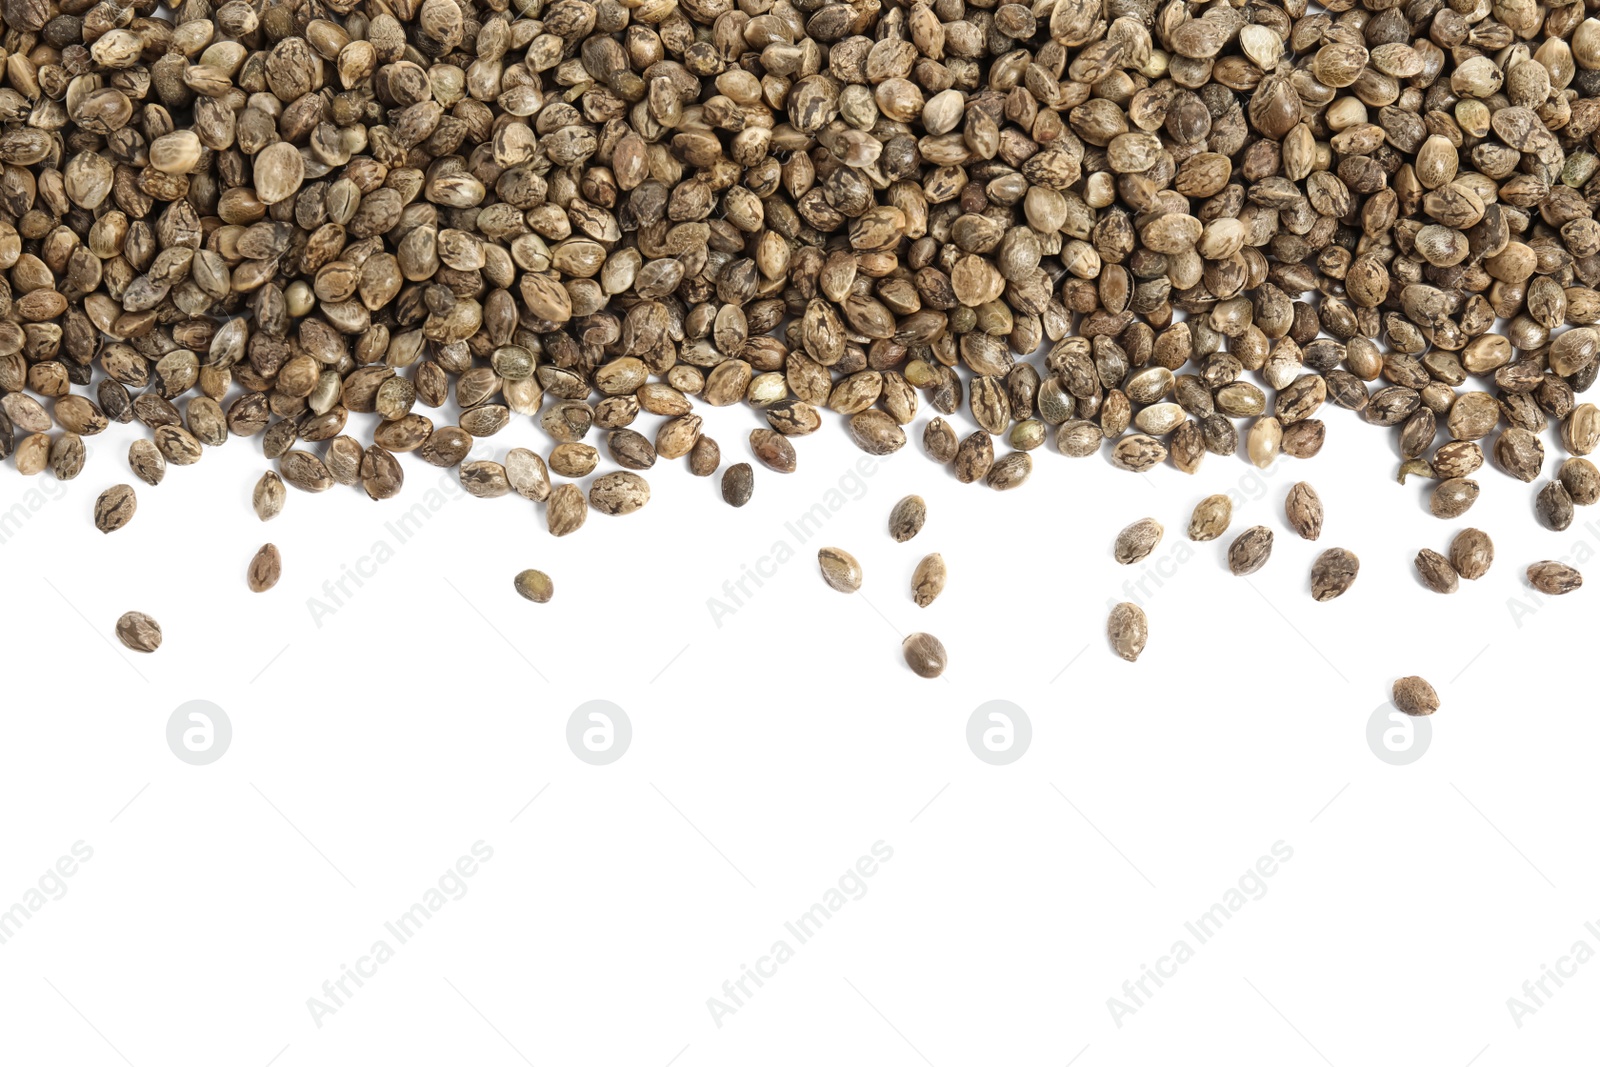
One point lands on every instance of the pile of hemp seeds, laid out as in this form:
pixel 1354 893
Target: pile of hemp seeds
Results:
pixel 259 219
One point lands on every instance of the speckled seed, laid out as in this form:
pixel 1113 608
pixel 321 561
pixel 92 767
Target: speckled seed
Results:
pixel 939 441
pixel 534 585
pixel 705 457
pixel 1554 506
pixel 265 568
pixel 1137 540
pixel 565 509
pixel 619 493
pixel 839 569
pixel 1009 471
pixel 1333 573
pixel 1128 630
pixel 924 654
pixel 147 462
pixel 1471 553
pixel 139 632
pixel 774 450
pixel 927 581
pixel 738 482
pixel 1211 518
pixel 1437 572
pixel 1415 696
pixel 1582 481
pixel 1250 550
pixel 114 508
pixel 907 517
pixel 268 497
pixel 1303 509
pixel 1452 497
pixel 1554 578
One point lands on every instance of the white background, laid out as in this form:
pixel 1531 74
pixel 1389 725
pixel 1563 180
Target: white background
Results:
pixel 429 710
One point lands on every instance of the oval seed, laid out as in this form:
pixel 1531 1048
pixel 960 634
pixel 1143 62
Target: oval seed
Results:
pixel 1471 553
pixel 139 632
pixel 1128 630
pixel 1137 540
pixel 1303 509
pixel 1332 574
pixel 839 569
pixel 927 581
pixel 269 496
pixel 1211 518
pixel 535 586
pixel 265 568
pixel 924 654
pixel 738 483
pixel 1250 550
pixel 1415 696
pixel 1553 578
pixel 907 517
pixel 114 508
pixel 1436 572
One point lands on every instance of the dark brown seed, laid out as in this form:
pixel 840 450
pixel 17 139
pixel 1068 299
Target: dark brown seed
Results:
pixel 924 654
pixel 1128 630
pixel 1452 497
pixel 1437 572
pixel 139 632
pixel 265 568
pixel 114 508
pixel 535 586
pixel 1554 506
pixel 773 449
pixel 1250 550
pixel 704 458
pixel 738 482
pixel 839 569
pixel 1554 578
pixel 1303 509
pixel 907 517
pixel 1415 696
pixel 1332 574
pixel 1471 553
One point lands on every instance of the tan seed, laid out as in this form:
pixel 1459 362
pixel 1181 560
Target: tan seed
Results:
pixel 265 568
pixel 839 569
pixel 1128 629
pixel 925 655
pixel 139 632
pixel 1415 696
